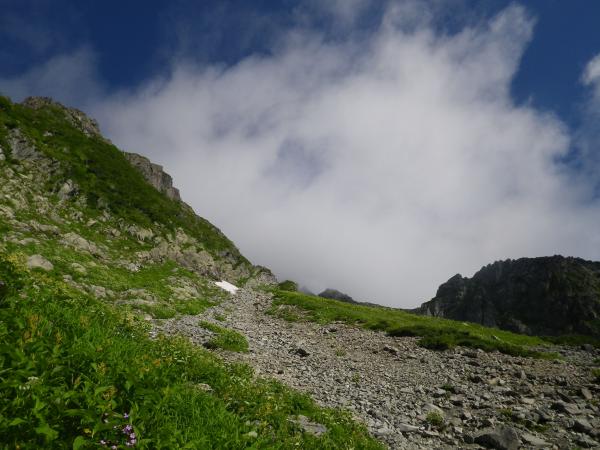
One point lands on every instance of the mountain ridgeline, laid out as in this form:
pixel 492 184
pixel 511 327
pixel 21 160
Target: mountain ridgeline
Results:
pixel 552 295
pixel 77 163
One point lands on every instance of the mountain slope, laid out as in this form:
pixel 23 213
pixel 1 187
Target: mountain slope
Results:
pixel 100 174
pixel 544 296
pixel 91 255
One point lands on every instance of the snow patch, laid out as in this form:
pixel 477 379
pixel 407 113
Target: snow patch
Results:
pixel 227 286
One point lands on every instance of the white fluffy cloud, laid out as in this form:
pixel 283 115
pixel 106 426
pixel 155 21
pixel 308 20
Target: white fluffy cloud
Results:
pixel 380 167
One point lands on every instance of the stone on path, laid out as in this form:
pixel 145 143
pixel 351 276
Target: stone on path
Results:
pixel 502 438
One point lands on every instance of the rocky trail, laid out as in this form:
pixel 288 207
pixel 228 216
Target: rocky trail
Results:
pixel 410 397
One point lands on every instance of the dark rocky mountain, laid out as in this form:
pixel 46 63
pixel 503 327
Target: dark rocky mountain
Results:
pixel 544 296
pixel 336 295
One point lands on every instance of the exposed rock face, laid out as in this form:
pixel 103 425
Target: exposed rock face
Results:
pixel 546 296
pixel 77 118
pixel 21 148
pixel 154 174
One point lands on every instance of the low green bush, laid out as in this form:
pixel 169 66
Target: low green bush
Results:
pixel 225 338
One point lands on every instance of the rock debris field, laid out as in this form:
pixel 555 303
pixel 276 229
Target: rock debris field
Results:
pixel 410 397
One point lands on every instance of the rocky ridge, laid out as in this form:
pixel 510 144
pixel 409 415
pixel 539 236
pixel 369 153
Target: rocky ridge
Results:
pixel 542 296
pixel 154 174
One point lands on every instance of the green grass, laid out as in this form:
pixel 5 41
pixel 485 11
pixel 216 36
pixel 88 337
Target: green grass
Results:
pixel 71 367
pixel 435 333
pixel 225 338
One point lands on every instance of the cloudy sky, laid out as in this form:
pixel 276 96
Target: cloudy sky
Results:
pixel 378 147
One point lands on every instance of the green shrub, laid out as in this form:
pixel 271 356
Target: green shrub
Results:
pixel 435 419
pixel 225 338
pixel 288 285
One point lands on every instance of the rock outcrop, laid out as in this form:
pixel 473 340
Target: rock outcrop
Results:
pixel 336 295
pixel 544 296
pixel 154 174
pixel 77 118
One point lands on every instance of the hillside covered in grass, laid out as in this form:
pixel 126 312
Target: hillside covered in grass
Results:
pixel 435 333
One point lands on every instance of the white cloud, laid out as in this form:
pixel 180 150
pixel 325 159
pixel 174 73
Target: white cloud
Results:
pixel 380 167
pixel 591 75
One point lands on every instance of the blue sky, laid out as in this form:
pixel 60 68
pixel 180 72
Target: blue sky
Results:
pixel 377 147
pixel 134 43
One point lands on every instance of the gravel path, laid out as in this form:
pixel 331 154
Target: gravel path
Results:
pixel 398 389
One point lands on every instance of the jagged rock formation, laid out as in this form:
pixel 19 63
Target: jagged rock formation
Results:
pixel 154 174
pixel 544 296
pixel 76 117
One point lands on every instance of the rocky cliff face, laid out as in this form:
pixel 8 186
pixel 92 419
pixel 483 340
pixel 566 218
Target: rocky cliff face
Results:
pixel 546 296
pixel 154 174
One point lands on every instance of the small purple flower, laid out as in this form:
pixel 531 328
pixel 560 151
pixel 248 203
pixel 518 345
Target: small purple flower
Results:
pixel 132 436
pixel 114 447
pixel 127 429
pixel 125 416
